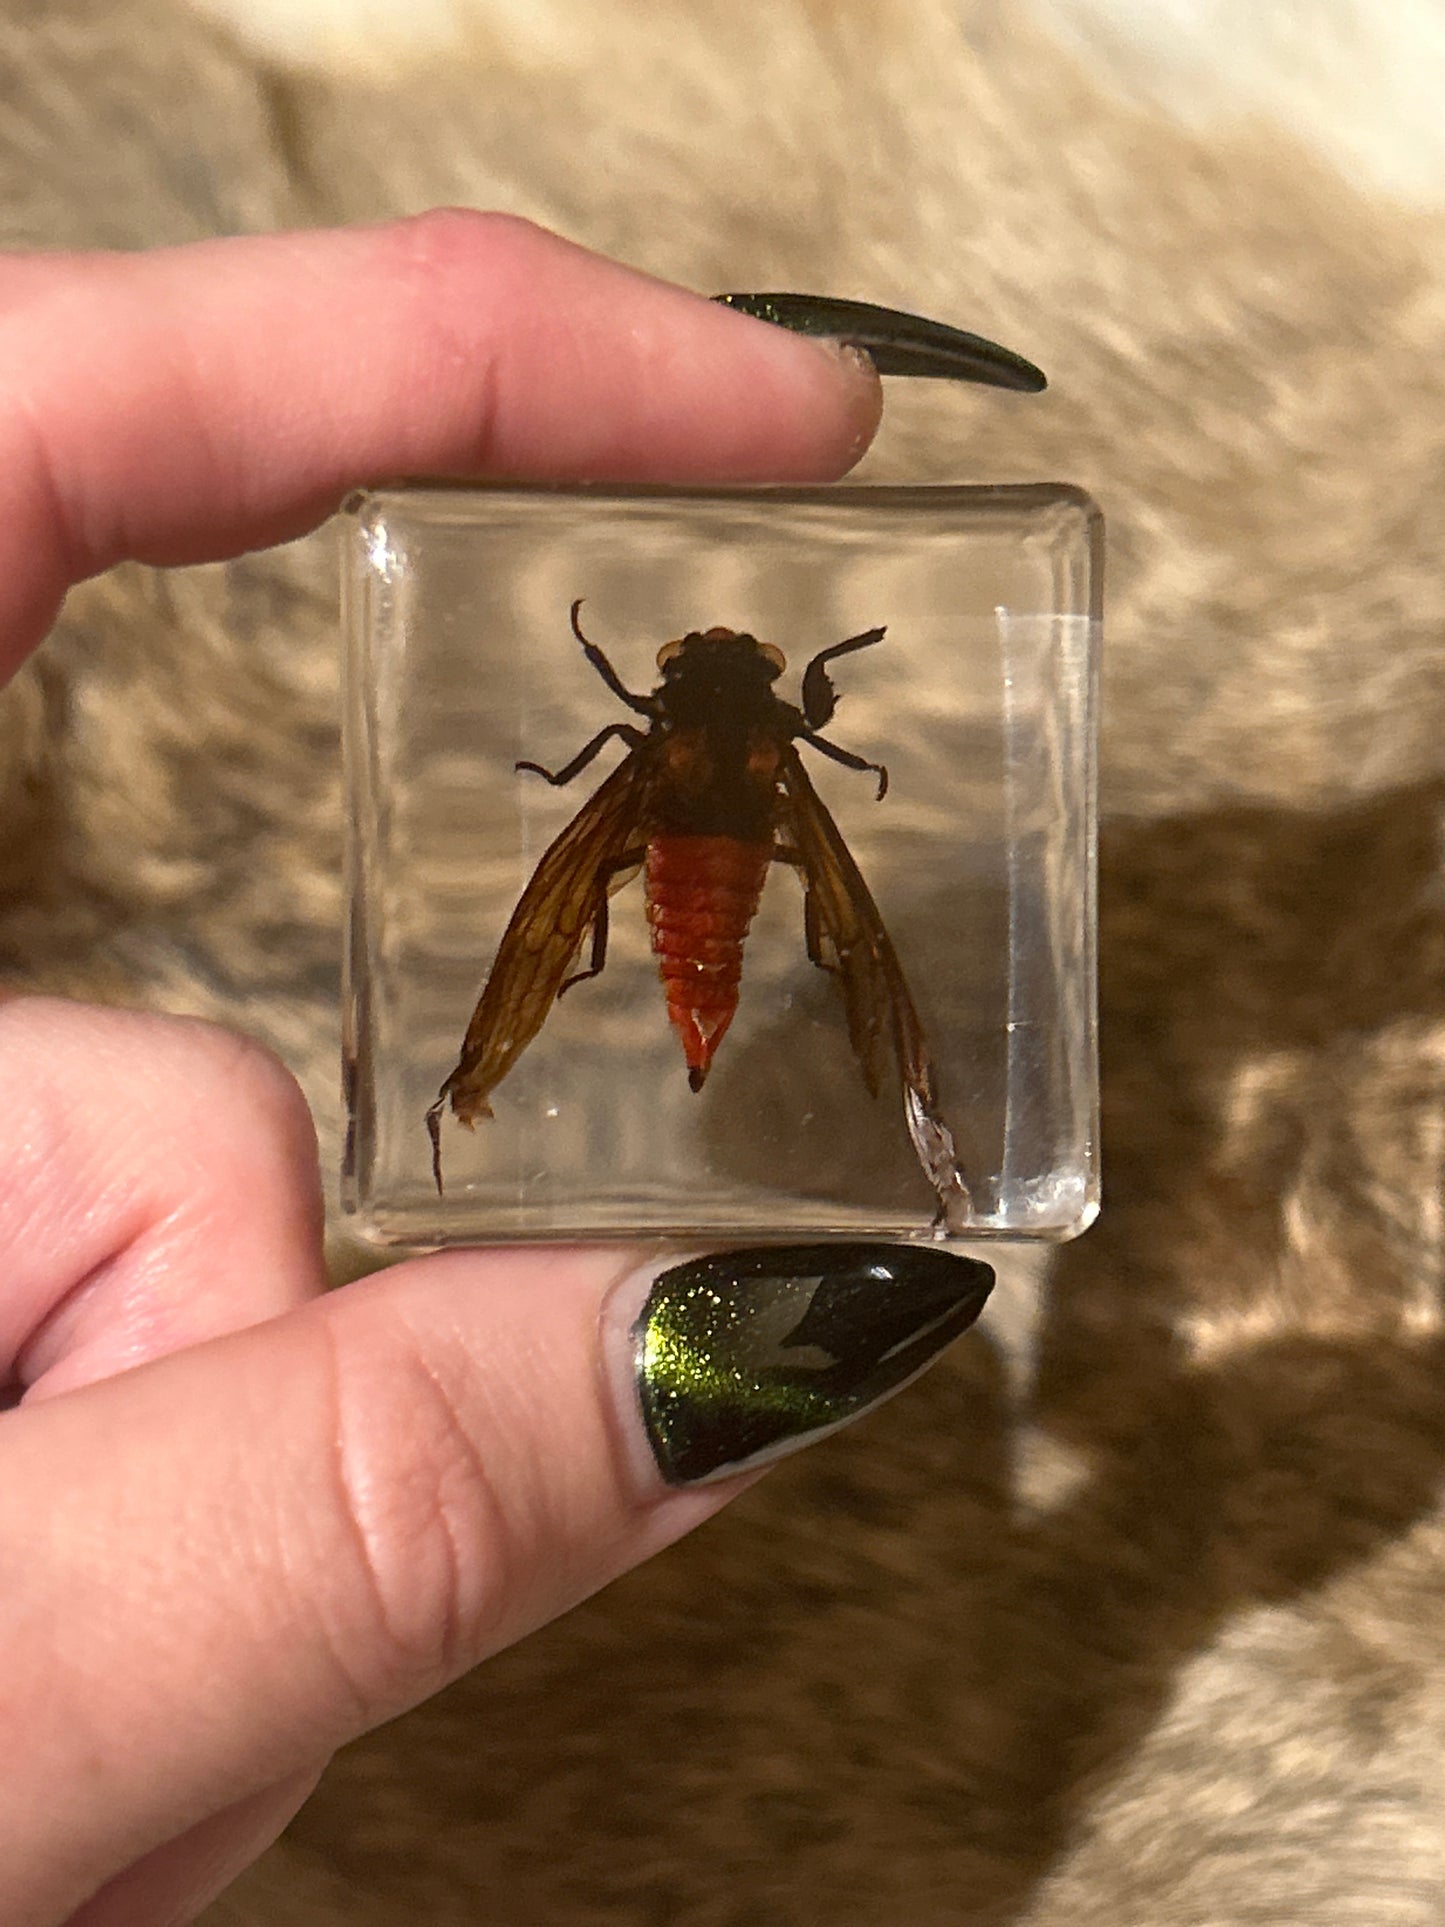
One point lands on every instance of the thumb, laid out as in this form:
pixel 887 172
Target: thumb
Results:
pixel 263 1545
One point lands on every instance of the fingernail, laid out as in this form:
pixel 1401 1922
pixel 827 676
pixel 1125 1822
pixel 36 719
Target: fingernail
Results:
pixel 896 342
pixel 741 1357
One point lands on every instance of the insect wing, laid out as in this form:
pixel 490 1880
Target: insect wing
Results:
pixel 551 922
pixel 852 942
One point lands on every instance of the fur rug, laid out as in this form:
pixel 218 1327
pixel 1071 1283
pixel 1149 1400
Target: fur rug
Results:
pixel 1133 1611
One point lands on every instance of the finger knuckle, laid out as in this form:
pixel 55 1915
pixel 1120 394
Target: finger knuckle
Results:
pixel 251 1080
pixel 444 238
pixel 182 1070
pixel 453 265
pixel 460 282
pixel 432 1544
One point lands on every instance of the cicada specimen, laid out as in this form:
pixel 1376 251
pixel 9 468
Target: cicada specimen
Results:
pixel 711 793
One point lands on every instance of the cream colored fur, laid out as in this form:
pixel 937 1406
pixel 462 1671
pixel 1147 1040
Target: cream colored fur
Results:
pixel 1137 1618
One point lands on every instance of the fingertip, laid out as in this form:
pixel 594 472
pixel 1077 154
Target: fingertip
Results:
pixel 265 1544
pixel 188 403
pixel 825 399
pixel 863 398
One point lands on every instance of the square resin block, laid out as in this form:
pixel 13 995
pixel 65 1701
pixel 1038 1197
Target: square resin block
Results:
pixel 979 700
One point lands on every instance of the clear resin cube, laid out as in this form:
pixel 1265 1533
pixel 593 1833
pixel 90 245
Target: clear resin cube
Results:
pixel 979 701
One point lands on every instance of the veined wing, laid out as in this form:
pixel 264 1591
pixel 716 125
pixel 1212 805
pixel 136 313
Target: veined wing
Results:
pixel 850 939
pixel 567 893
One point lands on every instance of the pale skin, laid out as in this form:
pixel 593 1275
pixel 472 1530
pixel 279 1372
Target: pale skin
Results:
pixel 243 1521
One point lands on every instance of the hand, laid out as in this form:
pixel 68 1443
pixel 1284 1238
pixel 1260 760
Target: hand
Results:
pixel 244 1520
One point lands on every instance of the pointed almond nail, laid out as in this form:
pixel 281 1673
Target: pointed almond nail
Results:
pixel 744 1356
pixel 896 342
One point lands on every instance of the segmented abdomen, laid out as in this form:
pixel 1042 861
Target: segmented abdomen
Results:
pixel 702 892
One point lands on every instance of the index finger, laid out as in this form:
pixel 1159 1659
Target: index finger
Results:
pixel 190 403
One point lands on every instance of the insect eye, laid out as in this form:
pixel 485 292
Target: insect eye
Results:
pixel 772 655
pixel 668 653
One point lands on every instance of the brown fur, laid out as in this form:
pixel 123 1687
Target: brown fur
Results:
pixel 1140 1623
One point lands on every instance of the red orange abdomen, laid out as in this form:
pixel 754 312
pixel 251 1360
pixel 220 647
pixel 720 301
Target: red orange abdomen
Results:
pixel 702 892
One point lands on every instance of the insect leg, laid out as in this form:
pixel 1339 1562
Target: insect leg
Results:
pixel 623 731
pixel 599 948
pixel 812 922
pixel 434 1132
pixel 813 935
pixel 642 704
pixel 628 861
pixel 849 760
pixel 820 698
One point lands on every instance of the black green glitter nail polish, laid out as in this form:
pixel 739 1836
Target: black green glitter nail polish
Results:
pixel 745 1355
pixel 896 342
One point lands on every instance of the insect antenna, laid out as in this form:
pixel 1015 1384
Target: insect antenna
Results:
pixel 642 704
